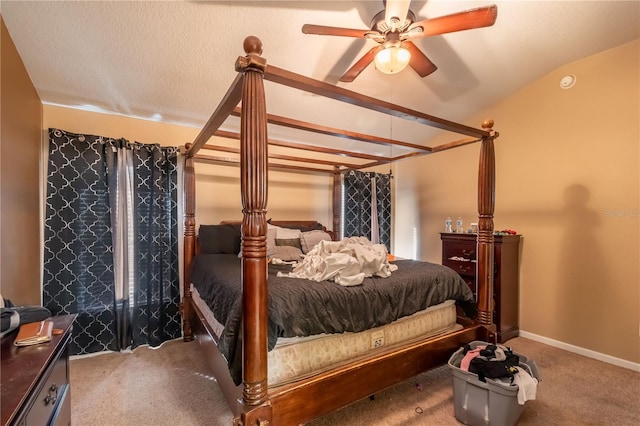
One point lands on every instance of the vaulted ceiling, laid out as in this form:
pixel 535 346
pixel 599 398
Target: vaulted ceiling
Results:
pixel 173 61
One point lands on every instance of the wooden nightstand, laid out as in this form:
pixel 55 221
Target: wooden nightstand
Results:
pixel 459 253
pixel 35 379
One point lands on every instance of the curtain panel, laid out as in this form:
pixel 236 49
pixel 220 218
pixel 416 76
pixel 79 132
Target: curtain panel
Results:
pixel 367 206
pixel 78 249
pixel 111 247
pixel 156 290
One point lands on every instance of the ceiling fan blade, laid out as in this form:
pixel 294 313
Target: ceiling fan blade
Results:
pixel 334 31
pixel 419 61
pixel 466 20
pixel 395 13
pixel 359 66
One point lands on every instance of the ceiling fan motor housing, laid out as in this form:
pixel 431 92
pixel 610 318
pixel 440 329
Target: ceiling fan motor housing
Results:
pixel 378 23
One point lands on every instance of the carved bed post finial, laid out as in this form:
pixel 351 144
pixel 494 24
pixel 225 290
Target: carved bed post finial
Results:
pixel 486 205
pixel 253 48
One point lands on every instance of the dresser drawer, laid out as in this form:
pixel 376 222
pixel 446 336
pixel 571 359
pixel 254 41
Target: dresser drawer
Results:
pixel 62 416
pixel 464 268
pixel 50 395
pixel 460 249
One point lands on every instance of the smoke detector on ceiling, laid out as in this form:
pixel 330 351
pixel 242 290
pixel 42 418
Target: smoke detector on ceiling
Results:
pixel 567 81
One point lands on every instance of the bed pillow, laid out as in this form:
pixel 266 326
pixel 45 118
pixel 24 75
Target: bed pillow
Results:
pixel 287 253
pixel 309 239
pixel 291 242
pixel 283 234
pixel 287 233
pixel 271 239
pixel 218 239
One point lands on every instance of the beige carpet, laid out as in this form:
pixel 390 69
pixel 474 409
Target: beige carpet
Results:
pixel 171 386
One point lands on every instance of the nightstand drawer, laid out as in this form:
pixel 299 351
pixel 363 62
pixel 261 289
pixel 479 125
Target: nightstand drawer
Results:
pixel 51 395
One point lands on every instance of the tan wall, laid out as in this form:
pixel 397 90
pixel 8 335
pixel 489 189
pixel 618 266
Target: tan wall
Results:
pixel 568 181
pixel 291 196
pixel 21 118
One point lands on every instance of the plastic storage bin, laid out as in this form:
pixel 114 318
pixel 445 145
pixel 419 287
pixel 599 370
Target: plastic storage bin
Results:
pixel 492 403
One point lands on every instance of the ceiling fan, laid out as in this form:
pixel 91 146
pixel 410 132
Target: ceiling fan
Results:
pixel 395 27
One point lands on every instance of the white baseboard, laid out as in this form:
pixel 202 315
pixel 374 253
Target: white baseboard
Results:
pixel 582 351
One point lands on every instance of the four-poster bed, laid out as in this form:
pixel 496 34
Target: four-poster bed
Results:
pixel 255 403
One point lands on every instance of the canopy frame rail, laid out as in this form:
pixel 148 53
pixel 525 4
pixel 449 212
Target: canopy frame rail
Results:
pixel 339 165
pixel 229 106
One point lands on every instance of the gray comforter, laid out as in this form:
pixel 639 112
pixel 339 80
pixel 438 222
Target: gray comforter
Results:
pixel 299 307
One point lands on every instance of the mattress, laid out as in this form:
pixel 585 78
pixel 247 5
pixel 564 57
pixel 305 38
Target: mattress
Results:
pixel 301 307
pixel 295 358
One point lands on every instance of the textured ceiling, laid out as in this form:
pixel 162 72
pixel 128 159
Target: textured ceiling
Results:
pixel 173 61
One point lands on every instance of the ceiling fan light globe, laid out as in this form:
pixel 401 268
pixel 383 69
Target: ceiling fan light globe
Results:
pixel 392 60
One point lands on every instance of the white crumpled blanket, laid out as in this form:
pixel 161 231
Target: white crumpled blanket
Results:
pixel 346 262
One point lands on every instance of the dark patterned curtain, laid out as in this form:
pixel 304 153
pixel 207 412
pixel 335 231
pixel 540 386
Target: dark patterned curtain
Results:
pixel 156 291
pixel 362 190
pixel 78 251
pixel 111 241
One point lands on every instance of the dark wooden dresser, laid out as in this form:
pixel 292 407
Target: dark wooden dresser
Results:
pixel 459 253
pixel 35 379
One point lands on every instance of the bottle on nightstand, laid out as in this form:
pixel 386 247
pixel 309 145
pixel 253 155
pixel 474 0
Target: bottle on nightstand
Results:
pixel 447 225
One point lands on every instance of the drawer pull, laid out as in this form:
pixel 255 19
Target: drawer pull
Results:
pixel 461 259
pixel 464 269
pixel 51 399
pixel 469 253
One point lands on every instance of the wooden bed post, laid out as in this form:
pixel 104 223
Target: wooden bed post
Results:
pixel 189 249
pixel 486 205
pixel 256 407
pixel 337 203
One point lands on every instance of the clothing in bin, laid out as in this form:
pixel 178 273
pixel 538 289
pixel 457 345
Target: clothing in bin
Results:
pixel 491 384
pixel 501 364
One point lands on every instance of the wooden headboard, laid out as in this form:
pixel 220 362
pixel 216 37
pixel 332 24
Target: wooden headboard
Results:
pixel 297 224
pixel 309 224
